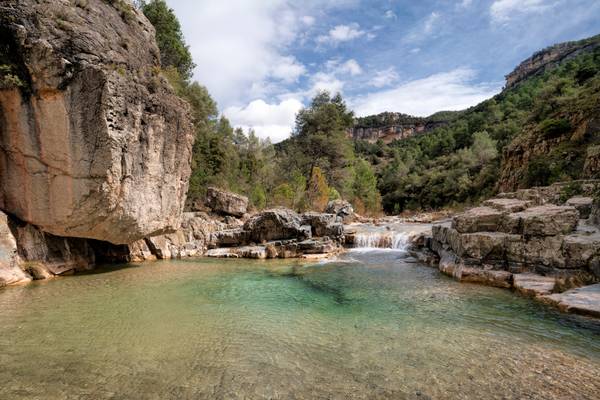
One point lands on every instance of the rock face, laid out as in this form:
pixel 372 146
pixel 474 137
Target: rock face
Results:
pixel 389 126
pixel 94 144
pixel 548 58
pixel 227 203
pixel 10 262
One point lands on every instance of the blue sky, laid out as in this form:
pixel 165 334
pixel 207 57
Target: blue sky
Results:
pixel 262 60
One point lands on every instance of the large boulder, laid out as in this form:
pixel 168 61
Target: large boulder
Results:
pixel 342 209
pixel 224 202
pixel 10 262
pixel 276 224
pixel 94 143
pixel 324 224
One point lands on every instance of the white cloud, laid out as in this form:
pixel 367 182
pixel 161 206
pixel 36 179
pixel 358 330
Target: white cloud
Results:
pixel 466 3
pixel 450 90
pixel 324 81
pixel 352 67
pixel 430 22
pixel 503 10
pixel 341 33
pixel 274 121
pixel 389 14
pixel 384 77
pixel 308 20
pixel 287 69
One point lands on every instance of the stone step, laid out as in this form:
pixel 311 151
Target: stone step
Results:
pixel 584 300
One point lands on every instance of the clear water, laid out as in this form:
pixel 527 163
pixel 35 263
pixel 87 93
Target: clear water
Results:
pixel 372 325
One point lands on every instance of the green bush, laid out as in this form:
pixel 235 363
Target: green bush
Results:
pixel 555 127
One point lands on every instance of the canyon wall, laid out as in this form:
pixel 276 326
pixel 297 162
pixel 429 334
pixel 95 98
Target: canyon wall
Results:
pixel 93 141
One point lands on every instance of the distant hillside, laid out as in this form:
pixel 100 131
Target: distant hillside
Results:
pixel 390 126
pixel 544 127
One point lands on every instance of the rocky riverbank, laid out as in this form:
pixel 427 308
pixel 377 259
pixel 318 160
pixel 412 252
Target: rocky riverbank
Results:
pixel 529 241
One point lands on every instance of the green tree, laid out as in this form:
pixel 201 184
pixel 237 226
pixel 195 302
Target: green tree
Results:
pixel 317 193
pixel 365 188
pixel 173 50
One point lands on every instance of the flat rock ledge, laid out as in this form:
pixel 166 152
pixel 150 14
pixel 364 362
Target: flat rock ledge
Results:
pixel 549 252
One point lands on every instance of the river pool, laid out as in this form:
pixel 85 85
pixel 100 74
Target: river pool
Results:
pixel 369 325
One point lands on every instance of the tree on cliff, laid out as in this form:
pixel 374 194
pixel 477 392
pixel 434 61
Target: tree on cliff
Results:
pixel 173 50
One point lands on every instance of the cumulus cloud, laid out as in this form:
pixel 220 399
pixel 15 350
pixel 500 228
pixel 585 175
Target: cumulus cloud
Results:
pixel 287 69
pixel 308 20
pixel 348 67
pixel 384 77
pixel 274 121
pixel 503 10
pixel 450 90
pixel 466 3
pixel 341 33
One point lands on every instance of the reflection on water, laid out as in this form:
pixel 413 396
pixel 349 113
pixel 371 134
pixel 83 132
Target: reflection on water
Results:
pixel 369 326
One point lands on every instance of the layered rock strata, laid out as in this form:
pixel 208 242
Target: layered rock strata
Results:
pixel 538 250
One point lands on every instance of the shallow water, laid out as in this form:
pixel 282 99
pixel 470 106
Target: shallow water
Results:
pixel 371 325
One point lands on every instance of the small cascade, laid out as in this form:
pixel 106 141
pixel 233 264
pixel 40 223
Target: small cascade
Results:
pixel 381 240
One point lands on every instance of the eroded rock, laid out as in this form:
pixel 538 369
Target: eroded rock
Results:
pixel 546 220
pixel 275 224
pixel 97 145
pixel 342 209
pixel 10 262
pixel 478 219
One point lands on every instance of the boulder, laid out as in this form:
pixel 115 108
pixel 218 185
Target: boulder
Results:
pixel 95 144
pixel 484 274
pixel 546 220
pixel 546 251
pixel 10 261
pixel 276 224
pixel 482 245
pixel 478 219
pixel 342 209
pixel 227 203
pixel 323 224
pixel 317 246
pixel 582 204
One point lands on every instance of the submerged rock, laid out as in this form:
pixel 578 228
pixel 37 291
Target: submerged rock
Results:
pixel 95 144
pixel 584 300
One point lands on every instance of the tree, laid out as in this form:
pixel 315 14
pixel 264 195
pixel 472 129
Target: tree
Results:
pixel 319 139
pixel 317 193
pixel 365 187
pixel 173 50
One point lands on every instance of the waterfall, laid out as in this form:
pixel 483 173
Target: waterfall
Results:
pixel 381 240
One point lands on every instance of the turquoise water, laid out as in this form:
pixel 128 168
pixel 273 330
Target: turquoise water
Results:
pixel 370 325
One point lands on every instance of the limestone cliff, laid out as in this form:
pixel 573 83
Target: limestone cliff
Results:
pixel 549 58
pixel 93 141
pixel 390 126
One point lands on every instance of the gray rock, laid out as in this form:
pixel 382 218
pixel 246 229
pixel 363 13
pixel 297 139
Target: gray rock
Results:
pixel 323 224
pixel 224 202
pixel 584 300
pixel 507 205
pixel 479 219
pixel 582 204
pixel 546 220
pixel 342 209
pixel 533 285
pixel 10 261
pixel 100 145
pixel 276 224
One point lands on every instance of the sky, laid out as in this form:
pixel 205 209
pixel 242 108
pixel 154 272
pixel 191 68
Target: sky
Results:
pixel 263 60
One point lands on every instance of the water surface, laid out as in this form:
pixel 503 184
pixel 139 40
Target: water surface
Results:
pixel 371 325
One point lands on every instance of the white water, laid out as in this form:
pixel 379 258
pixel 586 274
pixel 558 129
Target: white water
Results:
pixel 381 240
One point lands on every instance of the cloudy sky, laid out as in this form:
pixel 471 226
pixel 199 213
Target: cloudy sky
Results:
pixel 262 60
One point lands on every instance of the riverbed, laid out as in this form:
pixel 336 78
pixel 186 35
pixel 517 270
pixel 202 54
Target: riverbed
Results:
pixel 371 324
